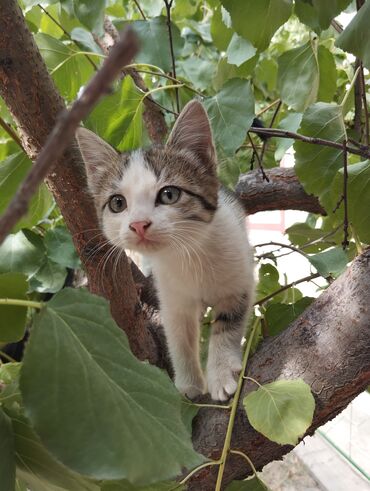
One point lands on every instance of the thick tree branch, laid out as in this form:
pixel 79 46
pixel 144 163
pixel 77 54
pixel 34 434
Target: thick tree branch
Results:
pixel 328 347
pixel 34 102
pixel 282 192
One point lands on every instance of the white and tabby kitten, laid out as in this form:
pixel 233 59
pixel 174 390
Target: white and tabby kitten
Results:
pixel 166 203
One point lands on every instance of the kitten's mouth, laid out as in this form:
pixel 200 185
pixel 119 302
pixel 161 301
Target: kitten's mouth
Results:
pixel 147 243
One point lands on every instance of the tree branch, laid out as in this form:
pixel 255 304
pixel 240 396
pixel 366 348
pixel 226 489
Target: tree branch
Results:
pixel 282 192
pixel 363 152
pixel 327 346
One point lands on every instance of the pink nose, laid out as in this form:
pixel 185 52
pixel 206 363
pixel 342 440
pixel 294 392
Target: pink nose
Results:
pixel 140 227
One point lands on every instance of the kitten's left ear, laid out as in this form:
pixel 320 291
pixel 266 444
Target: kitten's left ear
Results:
pixel 192 132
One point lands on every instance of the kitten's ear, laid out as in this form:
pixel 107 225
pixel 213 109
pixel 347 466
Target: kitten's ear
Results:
pixel 192 131
pixel 98 156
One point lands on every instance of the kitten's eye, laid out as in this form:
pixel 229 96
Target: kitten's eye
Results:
pixel 117 203
pixel 169 195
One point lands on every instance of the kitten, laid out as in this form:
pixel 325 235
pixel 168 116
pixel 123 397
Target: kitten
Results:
pixel 166 203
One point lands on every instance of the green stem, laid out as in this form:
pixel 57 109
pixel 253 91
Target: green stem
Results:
pixel 21 303
pixel 234 407
pixel 214 406
pixel 245 457
pixel 11 133
pixel 7 357
pixel 346 95
pixel 194 471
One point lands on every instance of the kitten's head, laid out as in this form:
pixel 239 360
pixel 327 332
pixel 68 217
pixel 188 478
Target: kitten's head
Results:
pixel 162 197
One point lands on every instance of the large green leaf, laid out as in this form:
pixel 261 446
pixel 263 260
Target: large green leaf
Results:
pixel 91 14
pixel 298 76
pixel 226 72
pixel 317 14
pixel 126 486
pixel 49 278
pixel 282 410
pixel 290 123
pixel 200 72
pixel 22 252
pixel 7 457
pixel 13 170
pixel 60 248
pixel 316 165
pixel 328 75
pixel 100 411
pixel 231 112
pixel 155 47
pixel 118 117
pixel 70 70
pixel 258 21
pixel 358 197
pixel 37 467
pixel 355 38
pixel 12 319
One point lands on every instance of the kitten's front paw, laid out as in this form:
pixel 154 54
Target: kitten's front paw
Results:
pixel 222 378
pixel 191 388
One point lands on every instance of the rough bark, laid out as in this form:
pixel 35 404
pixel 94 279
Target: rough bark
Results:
pixel 328 347
pixel 34 102
pixel 282 192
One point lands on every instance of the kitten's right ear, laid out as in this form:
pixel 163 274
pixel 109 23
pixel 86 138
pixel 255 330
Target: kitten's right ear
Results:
pixel 98 156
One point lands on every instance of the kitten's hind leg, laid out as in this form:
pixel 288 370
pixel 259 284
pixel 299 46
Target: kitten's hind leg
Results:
pixel 182 334
pixel 224 353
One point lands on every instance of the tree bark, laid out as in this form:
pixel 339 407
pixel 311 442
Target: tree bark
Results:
pixel 328 347
pixel 282 192
pixel 34 103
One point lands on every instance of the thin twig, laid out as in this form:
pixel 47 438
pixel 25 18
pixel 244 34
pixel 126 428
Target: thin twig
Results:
pixel 282 246
pixel 66 33
pixel 140 9
pixel 266 108
pixel 308 139
pixel 364 102
pixel 6 127
pixel 345 242
pixel 255 153
pixel 336 26
pixel 265 142
pixel 286 287
pixel 67 122
pixel 173 79
pixel 168 5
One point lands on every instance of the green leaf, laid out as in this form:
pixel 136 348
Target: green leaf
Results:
pixel 300 234
pixel 268 280
pixel 85 39
pixel 220 32
pixel 70 69
pixel 282 410
pixel 13 170
pixel 251 484
pixel 49 278
pixel 355 38
pixel 289 123
pixel 226 72
pixel 199 72
pixel 126 406
pixel 258 21
pixel 358 197
pixel 22 252
pixel 7 460
pixel 91 14
pixel 12 319
pixel 279 315
pixel 328 75
pixel 126 486
pixel 331 262
pixel 118 117
pixel 231 112
pixel 316 165
pixel 298 76
pixel 239 50
pixel 37 467
pixel 317 14
pixel 9 377
pixel 60 248
pixel 155 48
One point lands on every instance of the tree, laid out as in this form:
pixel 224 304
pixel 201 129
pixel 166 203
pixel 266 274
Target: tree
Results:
pixel 293 71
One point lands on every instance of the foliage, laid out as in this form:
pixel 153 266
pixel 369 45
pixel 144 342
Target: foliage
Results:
pixel 86 415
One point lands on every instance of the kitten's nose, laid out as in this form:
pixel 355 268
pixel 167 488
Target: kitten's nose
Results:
pixel 140 227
